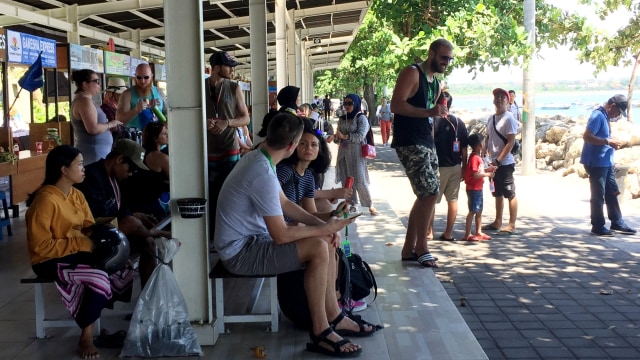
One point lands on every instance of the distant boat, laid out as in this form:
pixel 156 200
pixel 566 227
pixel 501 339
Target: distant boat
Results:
pixel 555 106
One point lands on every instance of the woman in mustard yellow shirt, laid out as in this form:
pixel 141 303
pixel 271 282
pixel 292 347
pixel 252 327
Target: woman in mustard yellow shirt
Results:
pixel 60 251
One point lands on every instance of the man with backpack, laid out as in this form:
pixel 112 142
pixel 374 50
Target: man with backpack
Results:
pixel 252 238
pixel 501 138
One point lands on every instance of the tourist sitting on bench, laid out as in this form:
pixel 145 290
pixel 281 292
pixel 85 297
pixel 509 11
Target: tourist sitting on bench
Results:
pixel 252 238
pixel 59 250
pixel 101 188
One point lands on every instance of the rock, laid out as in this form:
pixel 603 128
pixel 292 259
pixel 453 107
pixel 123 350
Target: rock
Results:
pixel 544 149
pixel 555 134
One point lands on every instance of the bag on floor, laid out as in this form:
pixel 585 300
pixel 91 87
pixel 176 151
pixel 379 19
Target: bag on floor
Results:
pixel 160 324
pixel 293 299
pixel 361 278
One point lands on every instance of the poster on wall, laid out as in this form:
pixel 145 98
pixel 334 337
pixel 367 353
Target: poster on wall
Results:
pixel 3 45
pixel 134 63
pixel 116 64
pixel 83 57
pixel 24 49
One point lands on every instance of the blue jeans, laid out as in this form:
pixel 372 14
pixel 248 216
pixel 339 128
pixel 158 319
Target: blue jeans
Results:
pixel 604 190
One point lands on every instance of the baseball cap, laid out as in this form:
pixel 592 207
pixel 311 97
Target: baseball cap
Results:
pixel 500 91
pixel 116 85
pixel 621 102
pixel 222 58
pixel 132 151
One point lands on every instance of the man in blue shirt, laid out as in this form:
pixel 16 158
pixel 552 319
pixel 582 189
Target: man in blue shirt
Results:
pixel 597 158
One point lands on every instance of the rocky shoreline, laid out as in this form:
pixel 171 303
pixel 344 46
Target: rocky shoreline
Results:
pixel 559 145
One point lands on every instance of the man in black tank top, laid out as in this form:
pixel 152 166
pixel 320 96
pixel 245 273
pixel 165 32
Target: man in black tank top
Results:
pixel 414 106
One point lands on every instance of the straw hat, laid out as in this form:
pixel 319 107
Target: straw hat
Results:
pixel 116 85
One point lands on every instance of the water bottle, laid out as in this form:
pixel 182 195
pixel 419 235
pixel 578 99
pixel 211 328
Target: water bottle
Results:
pixel 492 186
pixel 159 114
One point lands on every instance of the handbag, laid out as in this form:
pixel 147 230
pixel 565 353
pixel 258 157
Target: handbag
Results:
pixel 368 151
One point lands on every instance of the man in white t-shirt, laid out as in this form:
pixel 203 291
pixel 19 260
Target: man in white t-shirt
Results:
pixel 501 136
pixel 252 237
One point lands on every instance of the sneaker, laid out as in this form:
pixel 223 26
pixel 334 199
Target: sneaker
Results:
pixel 624 229
pixel 602 232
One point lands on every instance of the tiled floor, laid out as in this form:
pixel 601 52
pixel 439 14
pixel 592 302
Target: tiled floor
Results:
pixel 420 320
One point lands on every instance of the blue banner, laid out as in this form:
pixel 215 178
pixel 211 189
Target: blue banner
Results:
pixel 25 48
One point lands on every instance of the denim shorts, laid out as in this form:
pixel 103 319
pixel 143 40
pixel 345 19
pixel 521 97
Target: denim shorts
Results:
pixel 421 165
pixel 474 200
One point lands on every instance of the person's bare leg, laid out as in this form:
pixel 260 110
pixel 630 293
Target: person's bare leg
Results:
pixel 513 214
pixel 315 253
pixel 417 230
pixel 136 231
pixel 86 349
pixel 331 300
pixel 430 226
pixel 452 212
pixel 410 237
pixel 497 223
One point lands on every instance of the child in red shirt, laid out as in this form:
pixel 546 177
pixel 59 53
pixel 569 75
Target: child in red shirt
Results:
pixel 474 175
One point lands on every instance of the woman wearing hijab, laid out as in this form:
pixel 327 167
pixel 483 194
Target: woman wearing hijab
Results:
pixel 288 98
pixel 351 134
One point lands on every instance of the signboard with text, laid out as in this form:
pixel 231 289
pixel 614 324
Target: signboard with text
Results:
pixel 3 45
pixel 24 49
pixel 116 64
pixel 83 57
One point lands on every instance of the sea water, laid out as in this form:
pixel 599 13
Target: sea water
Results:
pixel 579 102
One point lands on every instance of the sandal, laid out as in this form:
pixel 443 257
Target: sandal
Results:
pixel 427 260
pixel 373 212
pixel 361 324
pixel 110 341
pixel 314 345
pixel 358 319
pixel 414 257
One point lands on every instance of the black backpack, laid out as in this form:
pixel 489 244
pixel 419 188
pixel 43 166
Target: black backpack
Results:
pixel 361 278
pixel 293 299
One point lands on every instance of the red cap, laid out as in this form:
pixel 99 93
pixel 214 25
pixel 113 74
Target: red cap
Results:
pixel 499 91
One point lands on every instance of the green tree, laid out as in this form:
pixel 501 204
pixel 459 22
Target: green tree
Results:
pixel 620 49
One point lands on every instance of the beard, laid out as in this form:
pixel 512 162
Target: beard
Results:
pixel 435 67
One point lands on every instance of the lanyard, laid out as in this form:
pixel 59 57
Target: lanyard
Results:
pixel 455 128
pixel 268 156
pixel 116 190
pixel 216 100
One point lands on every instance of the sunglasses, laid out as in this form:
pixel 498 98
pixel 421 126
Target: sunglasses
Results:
pixel 97 81
pixel 146 77
pixel 446 58
pixel 348 103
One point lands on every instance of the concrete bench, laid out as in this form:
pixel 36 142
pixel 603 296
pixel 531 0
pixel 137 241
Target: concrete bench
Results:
pixel 42 323
pixel 219 273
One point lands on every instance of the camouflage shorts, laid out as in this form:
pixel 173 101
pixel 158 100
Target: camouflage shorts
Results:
pixel 421 165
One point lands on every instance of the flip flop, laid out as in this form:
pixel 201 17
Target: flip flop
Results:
pixel 110 341
pixel 490 227
pixel 414 257
pixel 427 260
pixel 445 239
pixel 506 232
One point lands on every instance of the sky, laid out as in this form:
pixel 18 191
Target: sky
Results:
pixel 555 64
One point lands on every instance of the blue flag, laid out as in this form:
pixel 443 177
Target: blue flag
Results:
pixel 33 79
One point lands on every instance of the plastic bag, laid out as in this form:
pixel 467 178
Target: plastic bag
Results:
pixel 160 323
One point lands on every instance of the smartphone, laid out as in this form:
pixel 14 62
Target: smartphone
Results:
pixel 354 215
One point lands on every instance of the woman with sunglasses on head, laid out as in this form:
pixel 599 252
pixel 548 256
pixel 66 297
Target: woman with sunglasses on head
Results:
pixel 351 134
pixel 91 128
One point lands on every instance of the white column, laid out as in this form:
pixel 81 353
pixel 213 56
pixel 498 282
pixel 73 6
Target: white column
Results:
pixel 281 44
pixel 292 42
pixel 303 70
pixel 310 90
pixel 185 91
pixel 299 49
pixel 73 37
pixel 259 73
pixel 135 37
pixel 528 95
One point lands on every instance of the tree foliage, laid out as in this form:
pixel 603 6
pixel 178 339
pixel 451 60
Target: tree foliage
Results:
pixel 487 34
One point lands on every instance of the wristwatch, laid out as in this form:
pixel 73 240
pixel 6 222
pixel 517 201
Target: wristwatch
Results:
pixel 497 162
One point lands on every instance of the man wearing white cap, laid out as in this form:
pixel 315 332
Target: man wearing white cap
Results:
pixel 597 158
